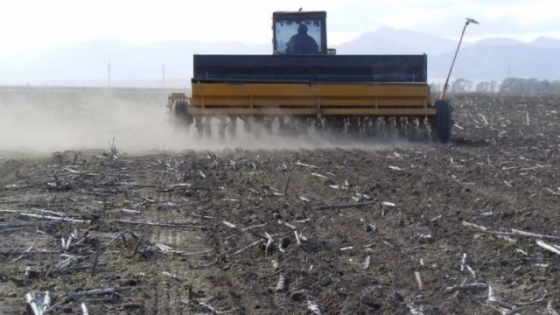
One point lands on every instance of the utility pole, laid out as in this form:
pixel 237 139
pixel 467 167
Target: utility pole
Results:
pixel 109 74
pixel 163 76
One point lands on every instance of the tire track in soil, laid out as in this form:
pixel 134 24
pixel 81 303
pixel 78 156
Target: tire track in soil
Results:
pixel 167 292
pixel 155 303
pixel 164 296
pixel 152 305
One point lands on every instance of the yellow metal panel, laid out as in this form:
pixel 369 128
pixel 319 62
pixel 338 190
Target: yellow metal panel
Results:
pixel 320 90
pixel 252 111
pixel 351 102
pixel 177 96
pixel 311 111
pixel 311 99
pixel 368 90
pixel 260 102
pixel 311 102
pixel 380 112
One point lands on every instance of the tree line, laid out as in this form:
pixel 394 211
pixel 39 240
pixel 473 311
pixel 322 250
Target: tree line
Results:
pixel 508 85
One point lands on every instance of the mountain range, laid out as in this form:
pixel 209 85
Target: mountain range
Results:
pixel 87 63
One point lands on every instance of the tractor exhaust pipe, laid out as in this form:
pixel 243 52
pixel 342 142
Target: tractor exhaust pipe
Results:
pixel 444 91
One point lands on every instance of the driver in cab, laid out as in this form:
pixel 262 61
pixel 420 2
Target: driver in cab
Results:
pixel 302 43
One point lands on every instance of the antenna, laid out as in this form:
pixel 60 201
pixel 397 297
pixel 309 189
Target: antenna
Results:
pixel 469 21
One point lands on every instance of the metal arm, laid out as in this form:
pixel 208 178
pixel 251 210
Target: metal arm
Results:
pixel 444 91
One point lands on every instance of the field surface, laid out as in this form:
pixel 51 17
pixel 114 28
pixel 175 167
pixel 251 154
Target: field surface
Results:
pixel 161 223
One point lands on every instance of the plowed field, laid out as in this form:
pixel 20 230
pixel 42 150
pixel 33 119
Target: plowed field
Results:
pixel 470 227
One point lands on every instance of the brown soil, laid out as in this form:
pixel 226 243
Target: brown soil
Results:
pixel 207 231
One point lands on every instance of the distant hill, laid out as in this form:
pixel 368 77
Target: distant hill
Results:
pixel 499 41
pixel 86 63
pixel 488 60
pixel 387 40
pixel 546 42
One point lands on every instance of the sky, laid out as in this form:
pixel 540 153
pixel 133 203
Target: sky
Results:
pixel 27 25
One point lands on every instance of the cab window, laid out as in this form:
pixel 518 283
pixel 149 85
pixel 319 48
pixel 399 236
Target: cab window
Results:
pixel 290 36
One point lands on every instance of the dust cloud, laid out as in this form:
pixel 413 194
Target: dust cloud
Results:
pixel 42 121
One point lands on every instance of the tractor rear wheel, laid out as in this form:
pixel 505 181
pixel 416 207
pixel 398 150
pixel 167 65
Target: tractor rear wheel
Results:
pixel 443 122
pixel 179 115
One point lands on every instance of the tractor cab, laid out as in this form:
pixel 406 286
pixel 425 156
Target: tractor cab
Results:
pixel 300 33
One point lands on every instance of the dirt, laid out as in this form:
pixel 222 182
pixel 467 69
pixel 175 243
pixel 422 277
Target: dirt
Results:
pixel 352 229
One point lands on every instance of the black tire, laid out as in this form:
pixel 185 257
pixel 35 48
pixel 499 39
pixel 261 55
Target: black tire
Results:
pixel 443 122
pixel 179 115
pixel 179 109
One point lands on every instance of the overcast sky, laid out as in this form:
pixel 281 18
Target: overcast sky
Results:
pixel 30 24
